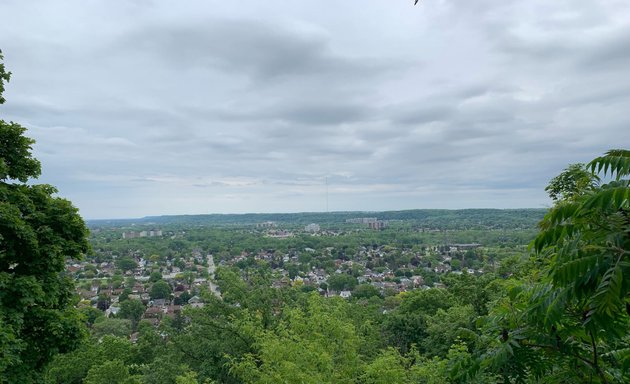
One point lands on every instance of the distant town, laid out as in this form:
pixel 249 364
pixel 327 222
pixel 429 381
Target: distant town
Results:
pixel 143 265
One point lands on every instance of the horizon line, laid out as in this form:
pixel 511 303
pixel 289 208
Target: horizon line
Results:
pixel 310 212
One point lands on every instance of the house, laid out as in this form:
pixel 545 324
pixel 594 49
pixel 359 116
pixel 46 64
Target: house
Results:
pixel 345 294
pixel 112 311
pixel 463 247
pixel 157 303
pixel 441 268
pixel 418 281
pixel 196 302
pixel 406 283
pixel 153 312
pixel 390 285
pixel 117 291
pixel 378 285
pixel 172 309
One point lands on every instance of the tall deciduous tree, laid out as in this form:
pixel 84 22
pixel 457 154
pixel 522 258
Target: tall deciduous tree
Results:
pixel 132 310
pixel 126 264
pixel 574 181
pixel 38 231
pixel 587 239
pixel 574 323
pixel 160 290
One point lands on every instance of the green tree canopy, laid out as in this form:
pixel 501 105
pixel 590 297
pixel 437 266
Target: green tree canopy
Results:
pixel 91 314
pixel 341 281
pixel 132 310
pixel 126 263
pixel 573 322
pixel 574 181
pixel 160 290
pixel 155 276
pixel 313 345
pixel 4 76
pixel 38 231
pixel 109 372
pixel 365 291
pixel 114 327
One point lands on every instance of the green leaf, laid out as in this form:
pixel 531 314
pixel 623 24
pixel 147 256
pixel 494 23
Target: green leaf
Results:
pixel 616 160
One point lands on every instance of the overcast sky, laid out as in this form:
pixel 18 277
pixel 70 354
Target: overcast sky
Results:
pixel 161 107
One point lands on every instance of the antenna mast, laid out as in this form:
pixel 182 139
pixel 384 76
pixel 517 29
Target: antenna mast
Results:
pixel 326 181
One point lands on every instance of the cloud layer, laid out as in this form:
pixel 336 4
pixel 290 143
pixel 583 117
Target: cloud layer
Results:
pixel 146 108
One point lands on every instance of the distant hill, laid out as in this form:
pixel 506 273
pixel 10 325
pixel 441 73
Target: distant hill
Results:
pixel 426 218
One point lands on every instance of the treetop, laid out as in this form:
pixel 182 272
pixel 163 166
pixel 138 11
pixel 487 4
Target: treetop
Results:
pixel 4 76
pixel 16 160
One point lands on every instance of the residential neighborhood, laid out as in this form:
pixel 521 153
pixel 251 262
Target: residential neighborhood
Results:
pixel 187 276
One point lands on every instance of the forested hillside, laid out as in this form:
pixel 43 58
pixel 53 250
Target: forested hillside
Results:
pixel 425 218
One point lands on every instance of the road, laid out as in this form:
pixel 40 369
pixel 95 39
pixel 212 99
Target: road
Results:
pixel 211 268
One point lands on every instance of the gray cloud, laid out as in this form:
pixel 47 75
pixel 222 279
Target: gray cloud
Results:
pixel 260 50
pixel 144 108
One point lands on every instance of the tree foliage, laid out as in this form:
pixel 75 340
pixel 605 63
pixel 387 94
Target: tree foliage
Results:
pixel 160 290
pixel 574 320
pixel 132 310
pixel 109 372
pixel 5 76
pixel 114 327
pixel 126 264
pixel 313 345
pixel 38 231
pixel 341 281
pixel 574 181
